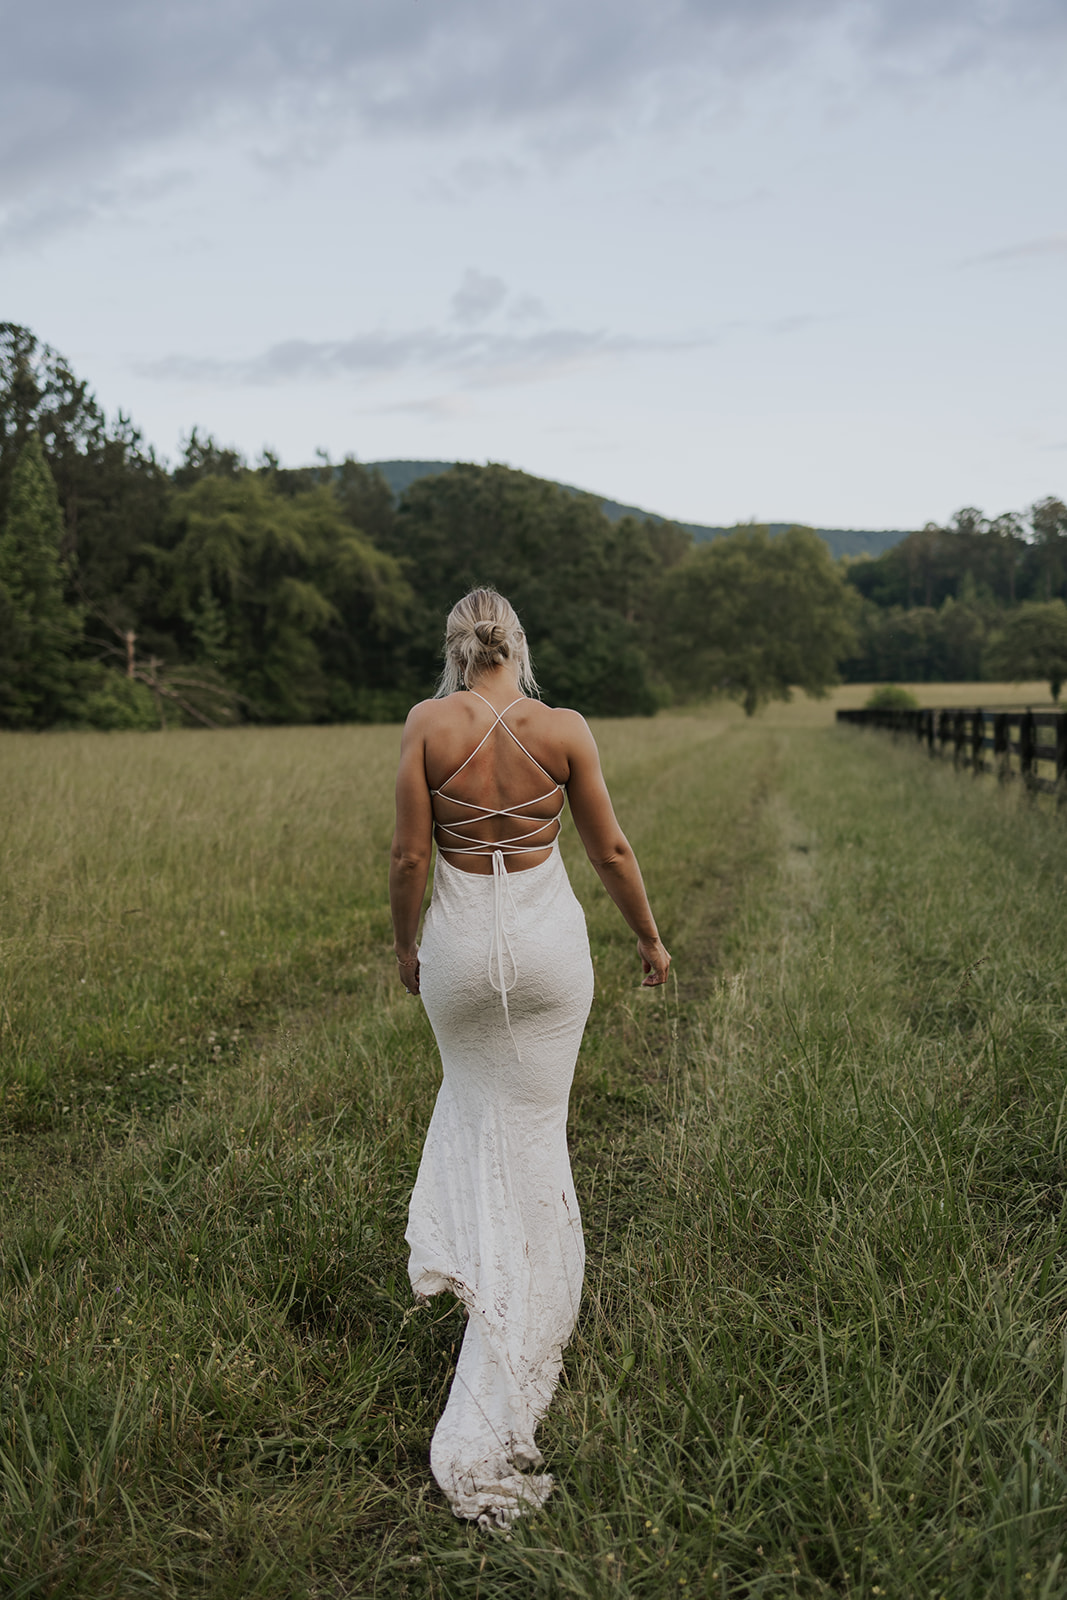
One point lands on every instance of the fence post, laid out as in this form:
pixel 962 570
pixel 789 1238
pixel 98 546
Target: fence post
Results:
pixel 988 728
pixel 1001 742
pixel 1026 748
pixel 977 740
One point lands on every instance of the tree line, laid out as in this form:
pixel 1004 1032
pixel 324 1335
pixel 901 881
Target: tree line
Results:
pixel 982 598
pixel 135 594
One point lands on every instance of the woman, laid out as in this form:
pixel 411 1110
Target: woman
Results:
pixel 505 975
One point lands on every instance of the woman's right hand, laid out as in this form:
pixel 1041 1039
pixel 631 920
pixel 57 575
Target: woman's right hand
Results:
pixel 655 962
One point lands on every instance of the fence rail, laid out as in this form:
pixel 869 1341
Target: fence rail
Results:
pixel 1031 745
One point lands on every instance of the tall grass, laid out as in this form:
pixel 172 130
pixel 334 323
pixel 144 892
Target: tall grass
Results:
pixel 823 1345
pixel 160 891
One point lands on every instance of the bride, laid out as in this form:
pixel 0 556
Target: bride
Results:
pixel 505 974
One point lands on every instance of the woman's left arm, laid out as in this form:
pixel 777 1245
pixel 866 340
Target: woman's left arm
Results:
pixel 409 862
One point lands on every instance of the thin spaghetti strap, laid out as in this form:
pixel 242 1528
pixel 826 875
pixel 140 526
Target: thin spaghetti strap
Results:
pixel 525 843
pixel 500 715
pixel 526 752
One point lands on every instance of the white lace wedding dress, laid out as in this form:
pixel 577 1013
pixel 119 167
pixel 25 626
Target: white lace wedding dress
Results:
pixel 507 982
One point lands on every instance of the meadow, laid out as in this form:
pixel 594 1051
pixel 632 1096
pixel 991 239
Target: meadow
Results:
pixel 823 1343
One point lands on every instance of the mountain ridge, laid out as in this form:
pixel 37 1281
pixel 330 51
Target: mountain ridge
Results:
pixel 853 542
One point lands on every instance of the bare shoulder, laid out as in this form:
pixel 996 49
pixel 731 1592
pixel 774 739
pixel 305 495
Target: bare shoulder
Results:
pixel 570 727
pixel 557 718
pixel 566 734
pixel 420 714
pixel 417 725
pixel 573 722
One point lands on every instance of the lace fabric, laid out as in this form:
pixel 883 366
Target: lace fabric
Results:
pixel 493 1216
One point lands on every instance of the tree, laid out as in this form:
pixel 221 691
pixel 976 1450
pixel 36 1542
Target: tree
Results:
pixel 114 496
pixel 40 395
pixel 38 630
pixel 1048 518
pixel 574 578
pixel 112 491
pixel 753 617
pixel 366 499
pixel 278 596
pixel 922 550
pixel 1006 539
pixel 1033 644
pixel 202 457
pixel 934 564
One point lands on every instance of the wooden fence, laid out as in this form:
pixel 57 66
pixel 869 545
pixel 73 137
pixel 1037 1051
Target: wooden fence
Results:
pixel 1031 745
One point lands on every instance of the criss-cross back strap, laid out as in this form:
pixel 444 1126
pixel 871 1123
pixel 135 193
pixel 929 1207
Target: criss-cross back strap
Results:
pixel 501 952
pixel 519 842
pixel 498 718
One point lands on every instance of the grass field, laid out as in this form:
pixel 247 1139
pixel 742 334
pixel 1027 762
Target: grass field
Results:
pixel 823 1345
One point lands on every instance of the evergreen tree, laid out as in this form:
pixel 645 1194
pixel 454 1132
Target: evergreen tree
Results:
pixel 39 394
pixel 1048 518
pixel 38 630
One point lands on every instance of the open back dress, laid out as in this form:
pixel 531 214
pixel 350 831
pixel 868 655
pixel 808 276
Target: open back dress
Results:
pixel 507 982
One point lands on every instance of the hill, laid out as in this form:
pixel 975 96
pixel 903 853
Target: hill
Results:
pixel 400 475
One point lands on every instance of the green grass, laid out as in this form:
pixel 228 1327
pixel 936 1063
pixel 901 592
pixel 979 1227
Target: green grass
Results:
pixel 823 1345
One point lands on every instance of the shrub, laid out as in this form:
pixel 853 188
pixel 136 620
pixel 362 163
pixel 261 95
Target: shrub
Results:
pixel 113 701
pixel 891 697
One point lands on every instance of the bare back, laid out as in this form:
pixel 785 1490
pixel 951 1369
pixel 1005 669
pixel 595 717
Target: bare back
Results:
pixel 496 775
pixel 498 784
pixel 504 795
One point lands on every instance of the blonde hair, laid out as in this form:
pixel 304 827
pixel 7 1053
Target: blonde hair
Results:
pixel 483 631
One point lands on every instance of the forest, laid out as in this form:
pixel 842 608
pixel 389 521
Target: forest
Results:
pixel 213 591
pixel 981 598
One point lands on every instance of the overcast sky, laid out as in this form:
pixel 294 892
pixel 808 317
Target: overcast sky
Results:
pixel 790 259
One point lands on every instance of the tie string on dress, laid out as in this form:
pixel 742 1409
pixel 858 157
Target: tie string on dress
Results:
pixel 499 943
pixel 503 899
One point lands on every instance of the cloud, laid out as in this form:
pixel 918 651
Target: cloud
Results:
pixel 477 297
pixel 84 88
pixel 480 358
pixel 34 220
pixel 779 327
pixel 475 175
pixel 527 308
pixel 434 408
pixel 1053 244
pixel 794 323
pixel 480 296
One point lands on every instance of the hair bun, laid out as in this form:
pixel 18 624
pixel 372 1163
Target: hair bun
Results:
pixel 490 634
pixel 483 632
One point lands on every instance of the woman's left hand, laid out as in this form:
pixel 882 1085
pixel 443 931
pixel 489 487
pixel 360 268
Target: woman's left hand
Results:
pixel 408 967
pixel 655 962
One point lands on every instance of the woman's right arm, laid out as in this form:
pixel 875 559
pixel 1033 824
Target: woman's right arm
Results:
pixel 608 847
pixel 409 860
